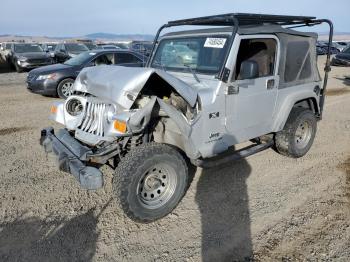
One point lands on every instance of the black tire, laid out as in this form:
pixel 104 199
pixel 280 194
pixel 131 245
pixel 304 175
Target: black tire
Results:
pixel 298 134
pixel 131 181
pixel 60 88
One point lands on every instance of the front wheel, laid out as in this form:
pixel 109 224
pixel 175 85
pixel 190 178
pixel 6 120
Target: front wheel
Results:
pixel 150 181
pixel 298 134
pixel 65 88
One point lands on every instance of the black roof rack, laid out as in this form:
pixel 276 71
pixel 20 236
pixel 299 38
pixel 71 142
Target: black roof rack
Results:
pixel 243 19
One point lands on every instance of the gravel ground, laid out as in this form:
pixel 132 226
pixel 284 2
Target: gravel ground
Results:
pixel 266 207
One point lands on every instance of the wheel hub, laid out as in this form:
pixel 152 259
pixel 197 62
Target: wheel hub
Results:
pixel 152 182
pixel 303 134
pixel 157 186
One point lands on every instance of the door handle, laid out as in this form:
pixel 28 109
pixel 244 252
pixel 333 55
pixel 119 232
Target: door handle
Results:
pixel 270 84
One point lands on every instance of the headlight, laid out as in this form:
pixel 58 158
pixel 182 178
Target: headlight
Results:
pixel 110 113
pixel 44 77
pixel 74 107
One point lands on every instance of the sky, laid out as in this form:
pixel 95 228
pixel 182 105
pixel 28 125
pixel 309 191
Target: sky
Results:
pixel 80 17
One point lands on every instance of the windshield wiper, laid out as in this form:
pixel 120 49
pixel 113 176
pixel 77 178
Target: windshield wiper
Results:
pixel 193 72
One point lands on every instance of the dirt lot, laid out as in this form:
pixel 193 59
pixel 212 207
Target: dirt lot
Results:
pixel 267 207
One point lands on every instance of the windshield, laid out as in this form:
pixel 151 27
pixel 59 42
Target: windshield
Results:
pixel 24 48
pixel 76 47
pixel 202 54
pixel 80 59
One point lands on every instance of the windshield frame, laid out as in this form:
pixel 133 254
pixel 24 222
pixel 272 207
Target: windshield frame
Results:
pixel 153 63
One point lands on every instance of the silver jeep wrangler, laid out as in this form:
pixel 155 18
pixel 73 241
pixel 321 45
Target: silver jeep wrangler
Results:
pixel 246 78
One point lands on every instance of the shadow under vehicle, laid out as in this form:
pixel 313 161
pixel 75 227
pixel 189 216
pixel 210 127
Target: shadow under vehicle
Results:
pixel 58 79
pixel 253 81
pixel 25 56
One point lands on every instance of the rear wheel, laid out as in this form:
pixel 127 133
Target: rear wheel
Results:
pixel 65 88
pixel 150 181
pixel 298 134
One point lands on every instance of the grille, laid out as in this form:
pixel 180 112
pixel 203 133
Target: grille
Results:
pixel 37 60
pixel 93 119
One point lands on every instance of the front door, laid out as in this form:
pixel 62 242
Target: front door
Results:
pixel 251 94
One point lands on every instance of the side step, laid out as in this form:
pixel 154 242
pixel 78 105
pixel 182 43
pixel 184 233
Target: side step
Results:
pixel 239 154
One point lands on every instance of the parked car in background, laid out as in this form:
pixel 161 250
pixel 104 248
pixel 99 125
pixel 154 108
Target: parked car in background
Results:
pixel 109 47
pixel 324 46
pixel 49 48
pixel 91 46
pixel 122 45
pixel 320 50
pixel 142 47
pixel 65 51
pixel 342 59
pixel 88 43
pixel 27 56
pixel 58 79
pixel 341 45
pixel 5 52
pixel 178 53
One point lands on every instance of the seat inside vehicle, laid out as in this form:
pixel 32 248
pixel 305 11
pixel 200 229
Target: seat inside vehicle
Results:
pixel 262 51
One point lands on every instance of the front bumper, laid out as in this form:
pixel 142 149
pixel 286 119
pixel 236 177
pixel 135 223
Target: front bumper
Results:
pixel 31 65
pixel 71 157
pixel 43 87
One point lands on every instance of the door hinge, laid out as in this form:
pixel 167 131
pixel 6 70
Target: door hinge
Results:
pixel 232 90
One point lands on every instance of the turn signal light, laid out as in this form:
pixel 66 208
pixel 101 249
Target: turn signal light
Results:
pixel 120 126
pixel 53 109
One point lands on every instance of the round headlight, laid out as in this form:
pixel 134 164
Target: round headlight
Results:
pixel 74 107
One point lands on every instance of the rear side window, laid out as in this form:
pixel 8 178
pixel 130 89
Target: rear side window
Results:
pixel 124 58
pixel 262 51
pixel 298 61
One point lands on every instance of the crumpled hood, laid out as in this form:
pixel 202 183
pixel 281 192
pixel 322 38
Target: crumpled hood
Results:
pixel 118 83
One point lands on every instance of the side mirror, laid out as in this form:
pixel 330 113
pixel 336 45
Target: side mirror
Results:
pixel 249 70
pixel 62 51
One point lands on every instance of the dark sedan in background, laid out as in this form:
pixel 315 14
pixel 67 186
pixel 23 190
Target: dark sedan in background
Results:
pixel 65 51
pixel 342 59
pixel 27 56
pixel 58 79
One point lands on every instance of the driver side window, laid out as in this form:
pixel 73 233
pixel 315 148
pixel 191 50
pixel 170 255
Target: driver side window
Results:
pixel 257 55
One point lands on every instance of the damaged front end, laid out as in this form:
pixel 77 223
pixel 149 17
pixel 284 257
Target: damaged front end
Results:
pixel 114 109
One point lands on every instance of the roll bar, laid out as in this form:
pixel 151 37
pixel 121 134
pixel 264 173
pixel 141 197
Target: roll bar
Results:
pixel 238 19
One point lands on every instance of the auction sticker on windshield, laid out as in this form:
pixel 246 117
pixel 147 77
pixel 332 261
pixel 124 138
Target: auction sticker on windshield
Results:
pixel 215 42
